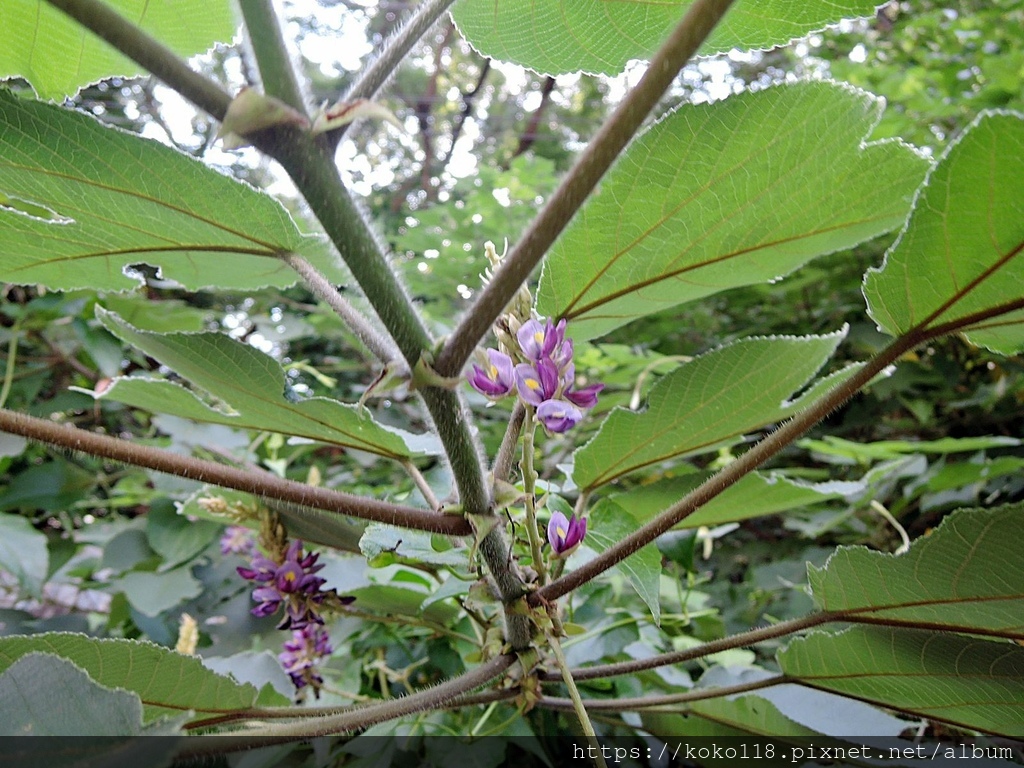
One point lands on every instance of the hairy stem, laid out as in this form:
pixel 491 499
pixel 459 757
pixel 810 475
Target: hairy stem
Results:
pixel 271 52
pixel 377 343
pixel 529 477
pixel 437 697
pixel 261 484
pixel 507 450
pixel 762 451
pixel 588 169
pixel 741 640
pixel 650 702
pixel 386 64
pixel 575 700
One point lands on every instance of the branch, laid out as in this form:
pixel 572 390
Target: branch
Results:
pixel 687 37
pixel 529 136
pixel 385 65
pixel 379 345
pixel 147 51
pixel 438 697
pixel 272 57
pixel 764 450
pixel 468 98
pixel 264 485
pixel 650 702
pixel 741 640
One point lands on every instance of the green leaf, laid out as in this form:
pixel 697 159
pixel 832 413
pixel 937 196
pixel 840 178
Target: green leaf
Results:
pixel 45 695
pixel 23 552
pixel 153 593
pixel 52 486
pixel 738 716
pixel 754 495
pixel 249 383
pixel 167 682
pixel 962 251
pixel 607 526
pixel 955 579
pixel 715 398
pixel 556 36
pixel 970 683
pixel 57 56
pixel 404 545
pixel 884 450
pixel 717 196
pixel 174 537
pixel 117 200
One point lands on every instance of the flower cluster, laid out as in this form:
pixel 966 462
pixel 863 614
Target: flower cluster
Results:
pixel 545 379
pixel 237 540
pixel 292 582
pixel 302 653
pixel 565 534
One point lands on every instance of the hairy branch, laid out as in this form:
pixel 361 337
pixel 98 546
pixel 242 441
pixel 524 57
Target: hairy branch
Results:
pixel 591 165
pixel 437 697
pixel 651 702
pixel 760 453
pixel 261 484
pixel 271 52
pixel 385 65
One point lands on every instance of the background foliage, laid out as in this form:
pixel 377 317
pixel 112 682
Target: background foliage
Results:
pixel 714 283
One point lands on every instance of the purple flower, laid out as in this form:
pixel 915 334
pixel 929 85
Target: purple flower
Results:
pixel 537 383
pixel 291 583
pixel 302 653
pixel 539 341
pixel 497 379
pixel 547 379
pixel 585 398
pixel 558 416
pixel 565 535
pixel 237 540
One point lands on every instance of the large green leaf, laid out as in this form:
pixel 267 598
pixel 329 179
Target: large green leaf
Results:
pixel 252 386
pixel 968 682
pixel 722 195
pixel 111 200
pixel 168 683
pixel 559 36
pixel 737 716
pixel 755 495
pixel 962 577
pixel 57 56
pixel 962 251
pixel 715 398
pixel 609 525
pixel 45 695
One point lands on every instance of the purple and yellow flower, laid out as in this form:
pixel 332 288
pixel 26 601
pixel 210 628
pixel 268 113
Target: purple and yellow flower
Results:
pixel 301 655
pixel 291 583
pixel 539 341
pixel 565 534
pixel 497 379
pixel 558 416
pixel 546 380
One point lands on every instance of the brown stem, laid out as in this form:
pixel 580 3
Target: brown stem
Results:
pixel 741 640
pixel 437 697
pixel 762 451
pixel 261 484
pixel 649 702
pixel 529 136
pixel 591 165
